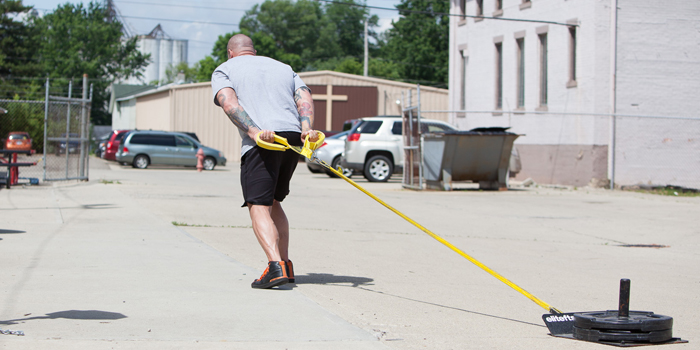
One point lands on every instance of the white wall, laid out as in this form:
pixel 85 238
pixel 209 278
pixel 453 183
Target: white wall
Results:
pixel 658 74
pixel 659 57
pixel 589 96
pixel 124 115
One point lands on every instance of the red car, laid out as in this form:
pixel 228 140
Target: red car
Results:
pixel 18 140
pixel 113 144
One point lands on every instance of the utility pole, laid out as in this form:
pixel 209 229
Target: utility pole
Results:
pixel 366 48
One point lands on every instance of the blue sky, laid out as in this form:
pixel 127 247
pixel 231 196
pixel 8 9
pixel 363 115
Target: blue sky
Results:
pixel 191 17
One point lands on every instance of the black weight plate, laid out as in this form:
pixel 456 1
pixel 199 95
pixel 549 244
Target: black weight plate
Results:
pixel 622 336
pixel 644 321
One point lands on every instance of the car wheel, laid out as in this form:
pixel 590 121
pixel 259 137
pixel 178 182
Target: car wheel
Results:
pixel 334 164
pixel 141 161
pixel 209 163
pixel 378 169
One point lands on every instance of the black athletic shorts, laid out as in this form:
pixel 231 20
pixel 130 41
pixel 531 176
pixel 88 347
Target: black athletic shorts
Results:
pixel 265 174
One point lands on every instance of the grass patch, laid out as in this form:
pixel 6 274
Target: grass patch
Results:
pixel 107 182
pixel 673 191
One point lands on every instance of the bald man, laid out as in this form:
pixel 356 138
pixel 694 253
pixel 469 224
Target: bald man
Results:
pixel 263 96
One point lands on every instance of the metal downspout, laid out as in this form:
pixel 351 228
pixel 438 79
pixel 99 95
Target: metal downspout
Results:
pixel 613 90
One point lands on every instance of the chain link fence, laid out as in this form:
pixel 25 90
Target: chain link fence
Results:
pixel 22 128
pixel 54 131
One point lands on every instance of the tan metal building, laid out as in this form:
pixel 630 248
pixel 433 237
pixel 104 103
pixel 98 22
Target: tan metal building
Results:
pixel 190 107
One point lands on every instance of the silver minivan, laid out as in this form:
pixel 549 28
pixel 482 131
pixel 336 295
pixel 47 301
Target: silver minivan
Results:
pixel 143 148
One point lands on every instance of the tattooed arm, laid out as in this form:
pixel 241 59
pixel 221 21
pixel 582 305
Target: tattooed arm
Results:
pixel 229 103
pixel 305 107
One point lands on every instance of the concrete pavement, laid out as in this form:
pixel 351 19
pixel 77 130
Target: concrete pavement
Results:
pixel 163 258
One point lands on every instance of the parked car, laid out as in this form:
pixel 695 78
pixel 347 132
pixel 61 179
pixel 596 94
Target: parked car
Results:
pixel 144 148
pixel 330 152
pixel 190 134
pixel 18 140
pixel 348 124
pixel 102 144
pixel 73 143
pixel 374 146
pixel 113 144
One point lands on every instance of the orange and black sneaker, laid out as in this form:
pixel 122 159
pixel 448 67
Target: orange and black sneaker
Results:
pixel 274 275
pixel 290 271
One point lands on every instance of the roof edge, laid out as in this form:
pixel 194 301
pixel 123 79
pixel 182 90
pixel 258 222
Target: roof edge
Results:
pixel 368 79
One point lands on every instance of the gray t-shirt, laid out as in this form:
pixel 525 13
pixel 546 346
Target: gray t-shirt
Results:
pixel 265 89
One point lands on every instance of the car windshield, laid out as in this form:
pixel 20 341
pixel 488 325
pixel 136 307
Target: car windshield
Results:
pixel 18 137
pixel 435 127
pixel 368 127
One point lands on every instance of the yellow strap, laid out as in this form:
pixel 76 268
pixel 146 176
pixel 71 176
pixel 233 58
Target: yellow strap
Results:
pixel 282 144
pixel 446 243
pixel 307 151
pixel 272 146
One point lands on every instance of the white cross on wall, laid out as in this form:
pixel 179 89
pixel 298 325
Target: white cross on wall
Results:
pixel 329 98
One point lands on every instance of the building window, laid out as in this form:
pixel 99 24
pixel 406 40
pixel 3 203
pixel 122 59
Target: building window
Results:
pixel 525 4
pixel 462 11
pixel 499 8
pixel 521 72
pixel 572 57
pixel 499 76
pixel 479 9
pixel 543 70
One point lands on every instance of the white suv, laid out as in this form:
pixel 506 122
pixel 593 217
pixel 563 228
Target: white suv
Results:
pixel 374 146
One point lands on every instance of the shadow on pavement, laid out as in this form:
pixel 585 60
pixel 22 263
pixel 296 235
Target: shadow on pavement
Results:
pixel 82 206
pixel 10 232
pixel 327 278
pixel 71 315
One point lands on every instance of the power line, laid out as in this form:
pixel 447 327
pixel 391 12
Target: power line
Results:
pixel 187 6
pixel 433 13
pixel 181 20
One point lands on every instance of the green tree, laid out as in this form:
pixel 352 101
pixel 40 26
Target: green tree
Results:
pixel 17 57
pixel 205 67
pixel 172 73
pixel 264 45
pixel 348 23
pixel 418 42
pixel 14 49
pixel 293 26
pixel 303 34
pixel 378 67
pixel 309 30
pixel 74 40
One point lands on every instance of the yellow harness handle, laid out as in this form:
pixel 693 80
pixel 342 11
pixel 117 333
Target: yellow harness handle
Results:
pixel 282 144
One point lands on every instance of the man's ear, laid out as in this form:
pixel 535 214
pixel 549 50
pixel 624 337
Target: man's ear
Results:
pixel 230 53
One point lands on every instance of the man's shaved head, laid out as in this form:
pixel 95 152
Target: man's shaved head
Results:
pixel 240 43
